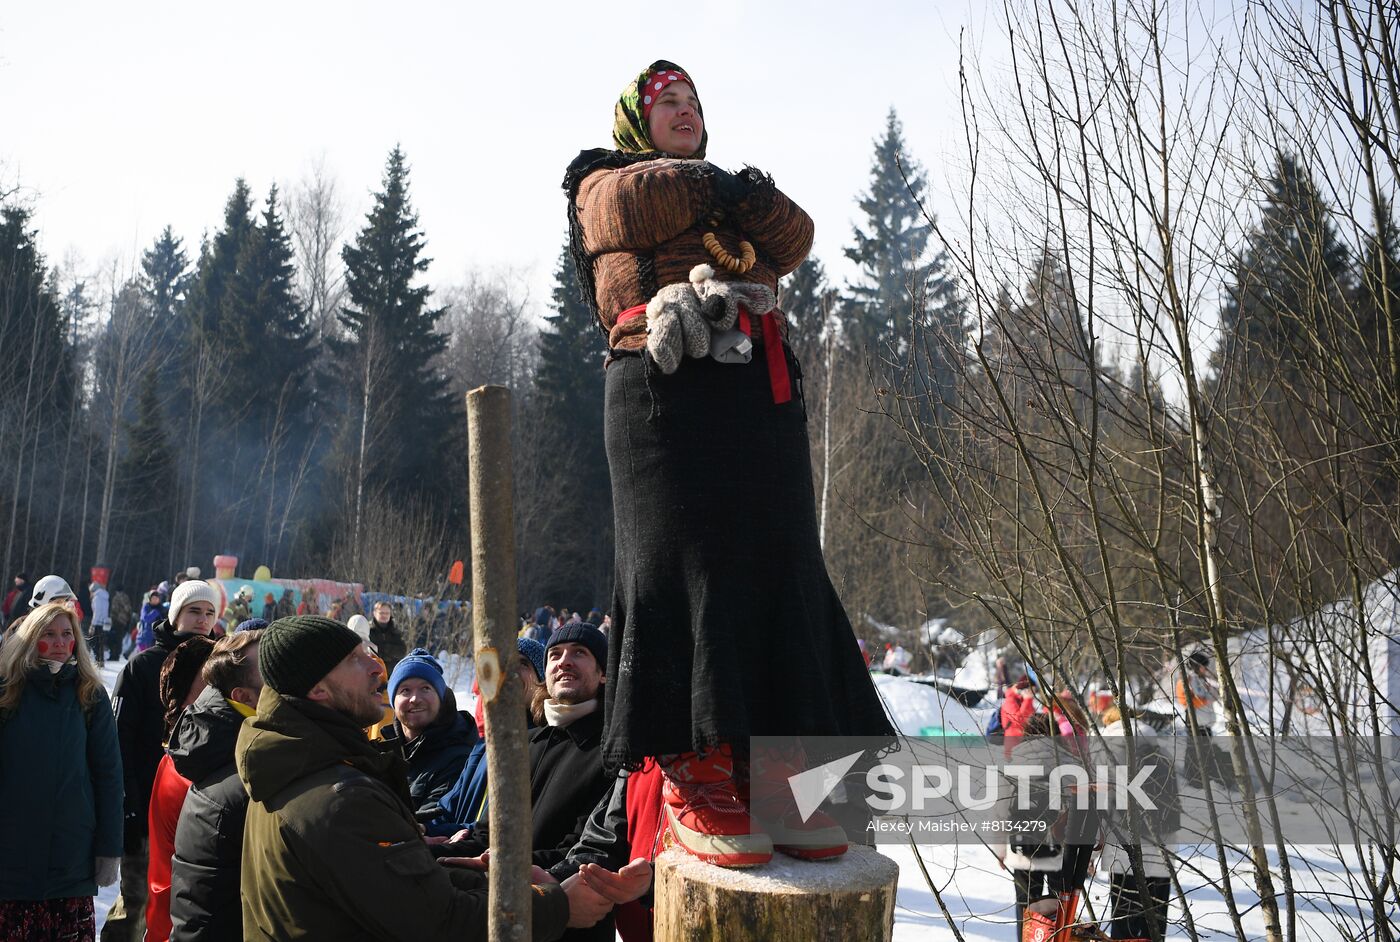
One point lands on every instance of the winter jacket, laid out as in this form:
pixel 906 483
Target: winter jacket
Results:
pixel 151 616
pixel 167 799
pixel 623 826
pixel 1194 693
pixel 644 224
pixel 17 602
pixel 120 610
pixel 462 805
pixel 101 608
pixel 286 608
pixel 436 758
pixel 331 848
pixel 141 721
pixel 1016 709
pixel 389 643
pixel 204 902
pixel 60 789
pixel 237 613
pixel 566 783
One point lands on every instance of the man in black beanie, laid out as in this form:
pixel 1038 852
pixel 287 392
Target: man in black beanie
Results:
pixel 331 849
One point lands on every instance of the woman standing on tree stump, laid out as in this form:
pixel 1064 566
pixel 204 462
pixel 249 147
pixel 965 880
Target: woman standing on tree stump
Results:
pixel 726 624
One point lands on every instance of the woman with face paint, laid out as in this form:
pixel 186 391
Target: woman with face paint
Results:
pixel 60 781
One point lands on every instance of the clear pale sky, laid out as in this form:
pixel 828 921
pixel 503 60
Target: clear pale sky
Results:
pixel 120 118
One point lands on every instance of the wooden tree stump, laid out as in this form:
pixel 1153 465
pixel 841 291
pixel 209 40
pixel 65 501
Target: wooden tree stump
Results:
pixel 850 899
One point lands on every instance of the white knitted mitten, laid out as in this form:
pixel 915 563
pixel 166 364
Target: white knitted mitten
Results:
pixel 720 300
pixel 675 327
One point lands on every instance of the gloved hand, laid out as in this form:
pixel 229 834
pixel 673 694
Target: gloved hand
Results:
pixel 107 870
pixel 133 833
pixel 731 189
pixel 675 327
pixel 720 300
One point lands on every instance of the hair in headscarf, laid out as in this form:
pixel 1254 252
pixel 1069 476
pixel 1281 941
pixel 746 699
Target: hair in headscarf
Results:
pixel 631 133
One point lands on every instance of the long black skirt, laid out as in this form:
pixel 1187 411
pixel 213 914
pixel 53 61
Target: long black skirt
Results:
pixel 725 622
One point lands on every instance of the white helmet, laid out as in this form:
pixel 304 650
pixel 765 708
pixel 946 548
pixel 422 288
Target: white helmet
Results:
pixel 50 589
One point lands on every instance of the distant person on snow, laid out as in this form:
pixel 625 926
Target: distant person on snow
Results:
pixel 152 612
pixel 385 635
pixel 17 599
pixel 101 620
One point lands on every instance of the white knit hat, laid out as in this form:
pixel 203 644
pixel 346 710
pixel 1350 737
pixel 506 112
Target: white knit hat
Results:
pixel 193 590
pixel 360 625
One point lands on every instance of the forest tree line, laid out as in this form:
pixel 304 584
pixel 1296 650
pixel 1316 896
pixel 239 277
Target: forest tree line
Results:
pixel 290 391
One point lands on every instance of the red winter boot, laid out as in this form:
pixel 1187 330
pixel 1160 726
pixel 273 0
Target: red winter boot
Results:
pixel 818 837
pixel 706 816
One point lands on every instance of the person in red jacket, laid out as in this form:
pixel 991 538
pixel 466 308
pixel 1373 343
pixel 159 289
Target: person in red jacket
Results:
pixel 180 683
pixel 1016 710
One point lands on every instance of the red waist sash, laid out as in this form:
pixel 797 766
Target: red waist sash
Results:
pixel 778 378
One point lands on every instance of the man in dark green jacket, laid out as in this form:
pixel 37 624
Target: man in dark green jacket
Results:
pixel 331 849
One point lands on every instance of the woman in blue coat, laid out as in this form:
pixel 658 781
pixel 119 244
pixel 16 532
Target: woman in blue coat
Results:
pixel 60 781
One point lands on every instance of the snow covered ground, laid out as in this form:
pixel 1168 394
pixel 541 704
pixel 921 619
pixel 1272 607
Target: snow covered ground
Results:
pixel 977 893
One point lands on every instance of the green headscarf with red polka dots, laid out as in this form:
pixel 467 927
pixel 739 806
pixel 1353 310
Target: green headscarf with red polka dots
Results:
pixel 631 133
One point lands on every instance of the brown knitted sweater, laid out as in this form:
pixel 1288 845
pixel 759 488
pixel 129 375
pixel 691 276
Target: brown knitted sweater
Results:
pixel 643 227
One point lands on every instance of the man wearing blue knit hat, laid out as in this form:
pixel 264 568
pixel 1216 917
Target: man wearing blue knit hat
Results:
pixel 433 737
pixel 566 777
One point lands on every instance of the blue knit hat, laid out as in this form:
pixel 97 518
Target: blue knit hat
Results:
pixel 251 624
pixel 534 653
pixel 585 634
pixel 420 663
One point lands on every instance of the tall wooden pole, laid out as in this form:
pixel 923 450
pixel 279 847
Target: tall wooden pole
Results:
pixel 494 628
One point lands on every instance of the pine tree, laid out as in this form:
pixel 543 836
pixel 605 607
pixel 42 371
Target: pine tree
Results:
pixel 399 412
pixel 37 396
pixel 1288 280
pixel 1378 302
pixel 1286 404
pixel 166 268
pixel 218 262
pixel 904 306
pixel 571 354
pixel 265 333
pixel 32 322
pixel 569 390
pixel 808 300
pixel 147 483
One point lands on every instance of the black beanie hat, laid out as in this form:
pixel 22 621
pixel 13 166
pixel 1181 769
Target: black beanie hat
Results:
pixel 585 634
pixel 295 652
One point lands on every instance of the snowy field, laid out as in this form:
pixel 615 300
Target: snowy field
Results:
pixel 978 895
